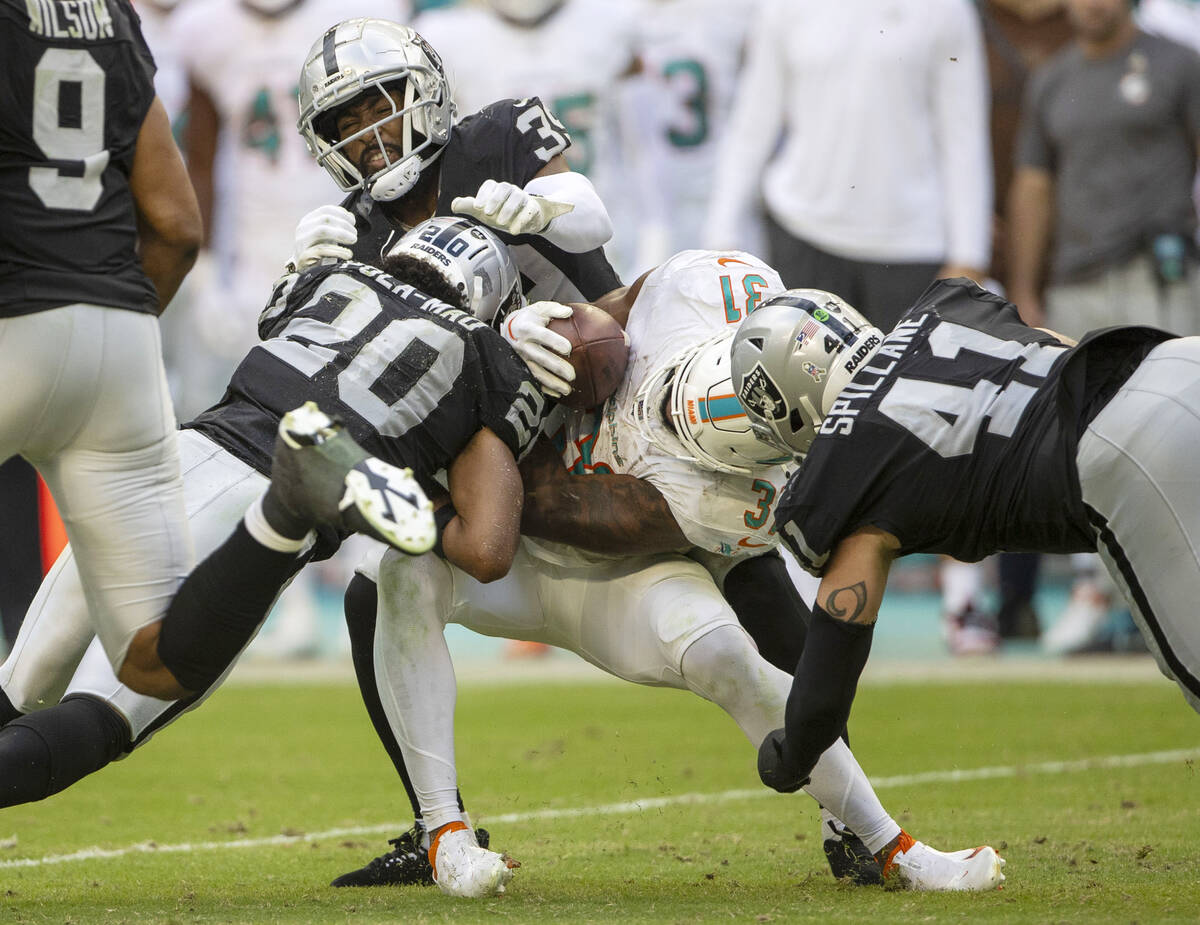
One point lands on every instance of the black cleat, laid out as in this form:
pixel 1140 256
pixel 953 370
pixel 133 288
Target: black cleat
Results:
pixel 407 864
pixel 850 859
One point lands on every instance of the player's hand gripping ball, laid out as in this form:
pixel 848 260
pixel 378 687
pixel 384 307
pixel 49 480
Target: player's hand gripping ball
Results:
pixel 599 354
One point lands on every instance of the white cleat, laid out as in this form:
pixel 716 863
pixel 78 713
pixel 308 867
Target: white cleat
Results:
pixel 323 477
pixel 919 867
pixel 462 868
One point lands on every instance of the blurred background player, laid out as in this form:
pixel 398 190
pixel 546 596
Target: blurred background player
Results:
pixel 100 228
pixel 676 112
pixel 1101 205
pixel 573 55
pixel 862 125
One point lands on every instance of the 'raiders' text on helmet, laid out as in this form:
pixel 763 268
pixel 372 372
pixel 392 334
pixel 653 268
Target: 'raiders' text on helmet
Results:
pixel 792 357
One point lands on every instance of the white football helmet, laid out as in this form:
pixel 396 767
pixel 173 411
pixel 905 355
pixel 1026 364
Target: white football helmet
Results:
pixel 792 357
pixel 687 408
pixel 472 258
pixel 525 12
pixel 359 56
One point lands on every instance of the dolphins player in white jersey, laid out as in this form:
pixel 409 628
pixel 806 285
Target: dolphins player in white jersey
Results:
pixel 668 489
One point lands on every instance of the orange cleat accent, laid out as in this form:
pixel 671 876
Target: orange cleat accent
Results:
pixel 437 836
pixel 904 842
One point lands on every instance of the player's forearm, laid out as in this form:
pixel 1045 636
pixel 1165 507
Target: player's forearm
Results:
pixel 166 263
pixel 485 488
pixel 586 225
pixel 1030 217
pixel 818 707
pixel 602 513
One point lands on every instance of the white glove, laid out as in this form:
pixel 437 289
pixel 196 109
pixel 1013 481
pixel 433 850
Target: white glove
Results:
pixel 509 208
pixel 542 350
pixel 326 231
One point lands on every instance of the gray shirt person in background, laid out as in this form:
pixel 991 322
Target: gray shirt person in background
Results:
pixel 1101 207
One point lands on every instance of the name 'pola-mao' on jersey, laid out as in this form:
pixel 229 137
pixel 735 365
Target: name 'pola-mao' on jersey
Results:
pixel 960 435
pixel 411 378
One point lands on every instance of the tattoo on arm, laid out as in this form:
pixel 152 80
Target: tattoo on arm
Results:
pixel 847 603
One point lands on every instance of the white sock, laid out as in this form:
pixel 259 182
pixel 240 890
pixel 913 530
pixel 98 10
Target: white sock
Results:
pixel 962 583
pixel 416 680
pixel 841 787
pixel 723 666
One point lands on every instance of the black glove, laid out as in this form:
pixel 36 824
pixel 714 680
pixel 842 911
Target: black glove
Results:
pixel 772 770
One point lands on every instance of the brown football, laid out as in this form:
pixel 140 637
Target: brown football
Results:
pixel 598 354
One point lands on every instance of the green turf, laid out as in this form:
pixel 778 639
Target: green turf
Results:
pixel 1111 844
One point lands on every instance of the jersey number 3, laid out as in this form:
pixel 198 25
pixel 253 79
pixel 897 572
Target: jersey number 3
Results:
pixel 68 125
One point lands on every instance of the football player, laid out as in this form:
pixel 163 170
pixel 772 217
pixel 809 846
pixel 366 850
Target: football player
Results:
pixel 376 112
pixel 251 171
pixel 414 380
pixel 691 53
pixel 963 431
pixel 573 55
pixel 402 157
pixel 100 227
pixel 631 526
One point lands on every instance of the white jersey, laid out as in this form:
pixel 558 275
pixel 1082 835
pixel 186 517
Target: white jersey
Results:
pixel 691 52
pixel 248 64
pixel 573 61
pixel 684 302
pixel 170 81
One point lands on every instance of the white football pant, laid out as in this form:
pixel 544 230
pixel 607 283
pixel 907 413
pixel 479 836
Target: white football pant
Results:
pixel 656 620
pixel 55 652
pixel 85 400
pixel 1139 468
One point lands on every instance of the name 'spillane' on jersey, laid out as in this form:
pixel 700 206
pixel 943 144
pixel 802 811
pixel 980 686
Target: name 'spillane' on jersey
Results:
pixel 971 422
pixel 412 378
pixel 509 140
pixel 75 98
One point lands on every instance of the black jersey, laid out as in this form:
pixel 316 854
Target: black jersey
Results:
pixel 78 82
pixel 510 140
pixel 411 378
pixel 959 436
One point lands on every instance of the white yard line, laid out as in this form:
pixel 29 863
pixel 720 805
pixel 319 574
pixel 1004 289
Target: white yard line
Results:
pixel 616 809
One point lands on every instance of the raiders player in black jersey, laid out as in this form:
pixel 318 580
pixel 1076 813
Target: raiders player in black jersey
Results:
pixel 376 113
pixel 413 379
pixel 99 228
pixel 965 432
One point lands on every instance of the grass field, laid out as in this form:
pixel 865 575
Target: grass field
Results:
pixel 626 805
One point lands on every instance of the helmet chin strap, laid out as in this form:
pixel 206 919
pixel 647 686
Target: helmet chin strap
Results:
pixel 396 180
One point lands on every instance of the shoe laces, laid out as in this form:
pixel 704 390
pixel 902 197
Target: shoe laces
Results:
pixel 404 846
